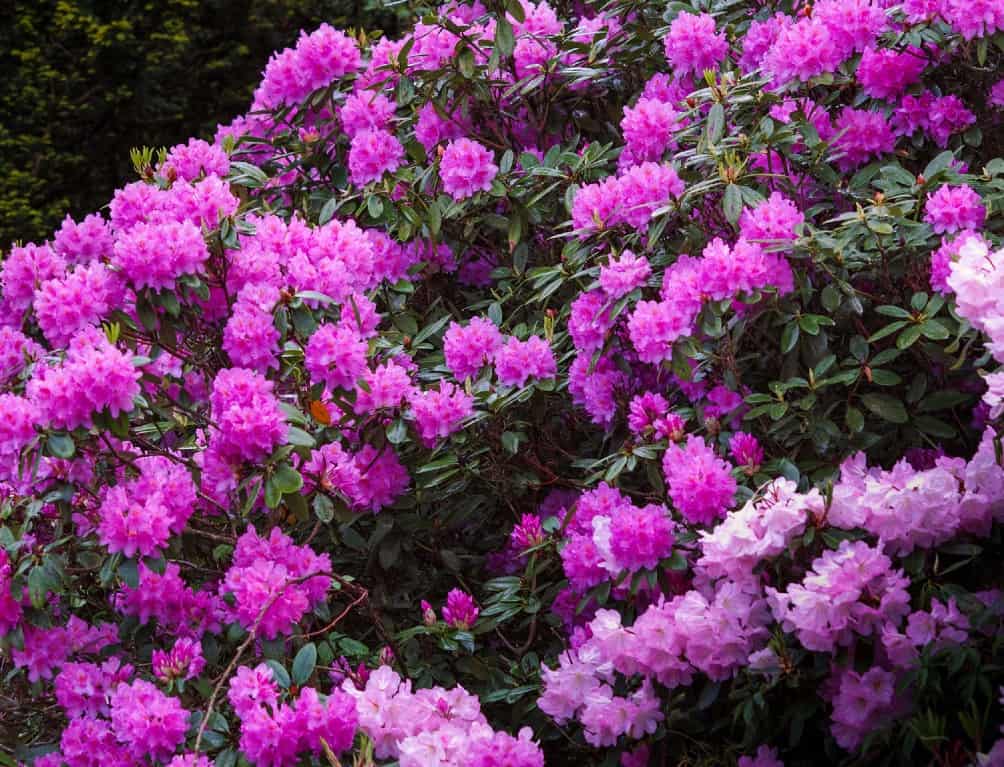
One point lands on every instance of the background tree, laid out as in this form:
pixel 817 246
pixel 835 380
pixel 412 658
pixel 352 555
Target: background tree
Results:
pixel 84 78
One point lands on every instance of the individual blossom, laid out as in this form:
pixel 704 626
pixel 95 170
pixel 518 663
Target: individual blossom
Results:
pixel 250 337
pixel 760 36
pixel 382 478
pixel 251 688
pixel 863 703
pixel 622 275
pixel 147 721
pixel 468 348
pixel 433 128
pixel 140 515
pixel 774 222
pixel 644 189
pixel 17 351
pixel 954 208
pixel 649 128
pixel 765 757
pixel 527 534
pixel 594 386
pixel 336 356
pixel 84 241
pixel 762 529
pixel 977 277
pixel 193 160
pixel 645 411
pixel 90 742
pixel 518 361
pixel 700 483
pixel 466 168
pixel 94 376
pixel 996 97
pixel 83 689
pixel 802 51
pixel 190 760
pixel 384 388
pixel 184 661
pixel 597 206
pixel 974 18
pixel 589 320
pixel 155 255
pixel 24 270
pixel 859 136
pixel 946 117
pixel 943 258
pixel 440 412
pixel 460 611
pixel 503 750
pixel 885 74
pixel 320 57
pixel 17 430
pixel 722 401
pixel 274 582
pixel 79 299
pixel 655 326
pixel 746 451
pixel 372 153
pixel 693 45
pixel 849 592
pixel 365 110
pixel 853 24
pixel 166 598
pixel 639 537
pixel 249 421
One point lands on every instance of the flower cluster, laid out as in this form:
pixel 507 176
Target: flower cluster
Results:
pixel 628 336
pixel 274 582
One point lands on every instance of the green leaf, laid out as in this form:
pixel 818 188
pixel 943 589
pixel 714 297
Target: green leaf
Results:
pixel 279 672
pixel 894 311
pixel 908 337
pixel 934 330
pixel 129 573
pixel 732 202
pixel 61 445
pixel 510 441
pixel 716 124
pixel 855 419
pixel 888 330
pixel 397 431
pixel 505 41
pixel 677 562
pixel 327 212
pixel 300 437
pixel 789 337
pixel 273 495
pixel 324 509
pixel 831 298
pixel 304 663
pixel 287 479
pixel 938 164
pixel 885 407
pixel 934 426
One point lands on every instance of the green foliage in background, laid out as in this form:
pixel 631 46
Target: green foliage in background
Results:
pixel 84 78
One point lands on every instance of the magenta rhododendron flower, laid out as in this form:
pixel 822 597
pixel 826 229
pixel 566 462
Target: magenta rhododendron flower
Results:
pixel 466 168
pixel 664 346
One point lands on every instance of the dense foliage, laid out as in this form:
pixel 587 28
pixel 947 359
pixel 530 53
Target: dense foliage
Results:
pixel 607 385
pixel 85 78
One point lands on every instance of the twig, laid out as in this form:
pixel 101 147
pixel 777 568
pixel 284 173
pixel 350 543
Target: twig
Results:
pixel 252 635
pixel 338 619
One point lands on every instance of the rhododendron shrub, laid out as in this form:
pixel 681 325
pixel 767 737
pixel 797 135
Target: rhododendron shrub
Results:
pixel 607 384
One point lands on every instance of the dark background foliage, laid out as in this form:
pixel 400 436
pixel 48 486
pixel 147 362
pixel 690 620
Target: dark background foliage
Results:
pixel 84 80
